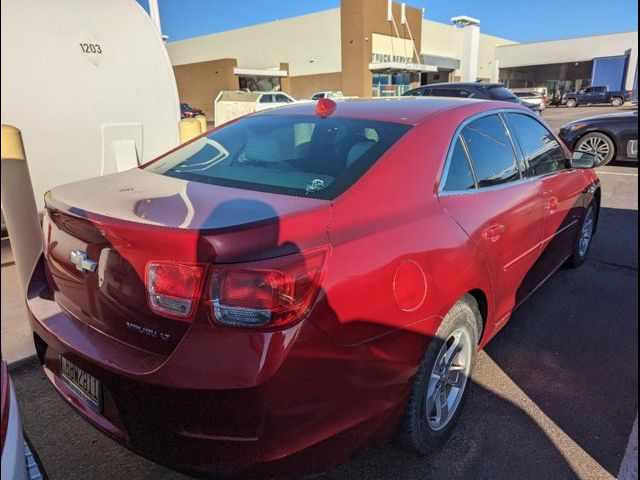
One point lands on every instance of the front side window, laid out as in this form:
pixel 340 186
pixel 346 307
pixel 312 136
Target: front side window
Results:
pixel 491 151
pixel 303 155
pixel 540 148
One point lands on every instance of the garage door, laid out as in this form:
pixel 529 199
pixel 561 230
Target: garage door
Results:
pixel 609 71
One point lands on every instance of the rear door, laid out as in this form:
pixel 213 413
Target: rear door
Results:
pixel 483 189
pixel 562 190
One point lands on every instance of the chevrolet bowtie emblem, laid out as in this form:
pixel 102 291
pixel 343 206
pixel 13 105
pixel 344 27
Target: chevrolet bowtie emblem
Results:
pixel 82 263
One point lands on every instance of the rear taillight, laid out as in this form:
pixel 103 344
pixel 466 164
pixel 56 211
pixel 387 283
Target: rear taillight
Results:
pixel 268 293
pixel 173 289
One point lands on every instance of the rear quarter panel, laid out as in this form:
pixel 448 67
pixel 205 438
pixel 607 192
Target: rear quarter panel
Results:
pixel 391 216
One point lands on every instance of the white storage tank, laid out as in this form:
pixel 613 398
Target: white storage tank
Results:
pixel 90 85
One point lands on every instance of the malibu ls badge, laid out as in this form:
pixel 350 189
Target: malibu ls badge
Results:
pixel 82 263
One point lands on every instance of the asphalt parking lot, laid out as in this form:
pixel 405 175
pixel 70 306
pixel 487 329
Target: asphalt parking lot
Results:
pixel 554 395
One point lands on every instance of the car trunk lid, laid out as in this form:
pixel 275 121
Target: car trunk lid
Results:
pixel 100 234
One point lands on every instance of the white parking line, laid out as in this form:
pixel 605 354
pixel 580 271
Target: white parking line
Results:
pixel 578 459
pixel 629 465
pixel 618 173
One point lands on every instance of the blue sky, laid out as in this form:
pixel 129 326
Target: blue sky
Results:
pixel 520 21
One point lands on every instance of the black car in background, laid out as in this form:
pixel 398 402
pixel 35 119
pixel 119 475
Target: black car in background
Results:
pixel 480 90
pixel 609 137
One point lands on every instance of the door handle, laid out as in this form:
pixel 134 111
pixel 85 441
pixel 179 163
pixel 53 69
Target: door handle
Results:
pixel 553 204
pixel 493 232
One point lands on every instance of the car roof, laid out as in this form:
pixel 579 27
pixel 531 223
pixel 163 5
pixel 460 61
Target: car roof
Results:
pixel 407 110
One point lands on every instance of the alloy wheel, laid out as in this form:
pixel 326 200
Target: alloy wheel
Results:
pixel 448 379
pixel 597 146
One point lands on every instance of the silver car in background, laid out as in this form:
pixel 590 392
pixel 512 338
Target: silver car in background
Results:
pixel 532 96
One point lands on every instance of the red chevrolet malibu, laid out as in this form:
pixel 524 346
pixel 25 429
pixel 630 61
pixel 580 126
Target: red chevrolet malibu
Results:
pixel 284 292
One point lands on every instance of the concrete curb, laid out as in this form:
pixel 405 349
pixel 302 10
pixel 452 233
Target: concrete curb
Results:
pixel 15 365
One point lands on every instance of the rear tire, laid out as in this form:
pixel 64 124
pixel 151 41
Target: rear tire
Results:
pixel 424 428
pixel 617 101
pixel 584 237
pixel 572 102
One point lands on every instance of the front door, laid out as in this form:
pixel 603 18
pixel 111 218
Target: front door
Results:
pixel 561 187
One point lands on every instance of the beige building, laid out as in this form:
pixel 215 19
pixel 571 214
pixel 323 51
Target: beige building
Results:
pixel 362 48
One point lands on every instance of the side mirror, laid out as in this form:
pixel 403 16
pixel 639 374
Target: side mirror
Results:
pixel 584 160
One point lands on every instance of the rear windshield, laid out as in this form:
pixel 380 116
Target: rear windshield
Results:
pixel 501 93
pixel 289 154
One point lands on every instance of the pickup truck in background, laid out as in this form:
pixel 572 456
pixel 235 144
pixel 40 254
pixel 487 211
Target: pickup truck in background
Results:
pixel 592 95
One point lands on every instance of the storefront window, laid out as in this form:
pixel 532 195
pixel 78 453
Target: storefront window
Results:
pixel 390 84
pixel 254 83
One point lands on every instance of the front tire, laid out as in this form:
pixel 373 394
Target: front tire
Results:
pixel 440 387
pixel 599 145
pixel 585 236
pixel 572 102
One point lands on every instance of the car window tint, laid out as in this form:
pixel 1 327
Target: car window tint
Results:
pixel 266 99
pixel 491 151
pixel 317 96
pixel 459 176
pixel 501 93
pixel 540 148
pixel 282 98
pixel 450 92
pixel 290 154
pixel 417 92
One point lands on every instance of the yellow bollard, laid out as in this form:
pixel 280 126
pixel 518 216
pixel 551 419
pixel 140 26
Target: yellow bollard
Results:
pixel 189 128
pixel 19 204
pixel 203 122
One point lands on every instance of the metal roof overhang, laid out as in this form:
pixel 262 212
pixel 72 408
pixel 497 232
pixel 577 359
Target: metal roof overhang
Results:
pixel 256 72
pixel 445 63
pixel 403 67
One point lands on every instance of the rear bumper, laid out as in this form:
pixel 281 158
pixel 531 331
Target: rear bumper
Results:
pixel 287 402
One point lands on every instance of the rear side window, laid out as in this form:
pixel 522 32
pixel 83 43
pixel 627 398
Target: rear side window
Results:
pixel 266 99
pixel 459 176
pixel 450 92
pixel 501 93
pixel 541 150
pixel 303 155
pixel 417 92
pixel 491 151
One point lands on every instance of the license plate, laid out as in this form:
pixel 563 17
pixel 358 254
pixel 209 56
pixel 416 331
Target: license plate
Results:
pixel 83 383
